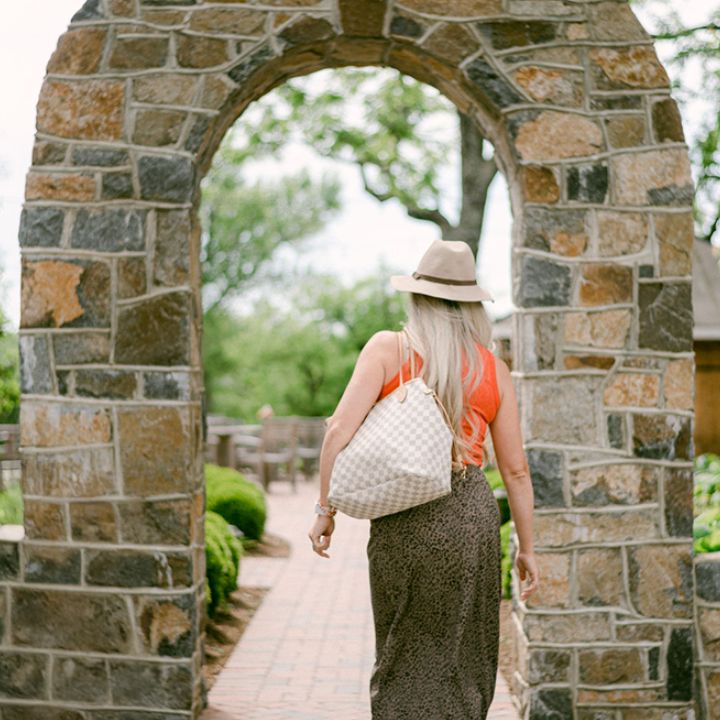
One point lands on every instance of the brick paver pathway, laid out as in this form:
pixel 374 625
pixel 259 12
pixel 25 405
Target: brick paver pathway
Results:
pixel 308 652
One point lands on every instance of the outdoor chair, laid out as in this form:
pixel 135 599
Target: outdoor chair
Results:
pixel 278 450
pixel 311 431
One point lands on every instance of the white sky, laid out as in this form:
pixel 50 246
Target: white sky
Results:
pixel 351 245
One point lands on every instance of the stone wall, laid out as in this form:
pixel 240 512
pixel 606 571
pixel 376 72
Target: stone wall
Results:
pixel 707 627
pixel 102 601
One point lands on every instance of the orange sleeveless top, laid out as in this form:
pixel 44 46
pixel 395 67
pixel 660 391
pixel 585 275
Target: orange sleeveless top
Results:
pixel 483 403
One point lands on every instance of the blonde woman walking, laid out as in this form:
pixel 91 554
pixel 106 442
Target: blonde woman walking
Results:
pixel 435 568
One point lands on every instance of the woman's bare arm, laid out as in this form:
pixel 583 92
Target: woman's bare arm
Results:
pixel 511 460
pixel 360 395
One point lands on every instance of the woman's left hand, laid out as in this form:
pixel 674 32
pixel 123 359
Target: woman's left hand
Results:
pixel 320 534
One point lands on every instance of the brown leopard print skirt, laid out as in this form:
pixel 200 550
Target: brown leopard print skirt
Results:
pixel 435 590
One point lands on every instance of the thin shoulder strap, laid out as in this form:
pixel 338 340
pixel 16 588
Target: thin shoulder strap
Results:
pixel 411 354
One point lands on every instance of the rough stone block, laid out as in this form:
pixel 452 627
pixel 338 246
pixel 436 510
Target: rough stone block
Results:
pixel 116 186
pixel 551 85
pixel 73 473
pixel 680 668
pixel 59 292
pixel 539 184
pixel 621 233
pixel 633 389
pixel 154 331
pixel 504 35
pixel 47 152
pixel 35 370
pixel 587 183
pixel 158 127
pixel 138 53
pixel 655 177
pixel 41 226
pixel 629 67
pixel 80 678
pixel 165 89
pixel 555 135
pixel 44 521
pixel 215 91
pixel 660 578
pixel 709 626
pixel 549 666
pixel 567 628
pixel 667 123
pixel 557 530
pixel 93 522
pixel 99 157
pixel 451 42
pixel 74 187
pixel 78 52
pixel 600 579
pixel 544 283
pixel 166 625
pixel 134 568
pixel 87 347
pixel 608 328
pixel 86 110
pixel 562 412
pixel 131 277
pixel 546 471
pixel 616 431
pixel 605 284
pixel 462 8
pixel 194 51
pixel 675 236
pixel 707 577
pixel 167 385
pixel 101 383
pixel 167 179
pixel 109 229
pixel 91 10
pixel 541 333
pixel 406 26
pixel 68 620
pixel 61 424
pixel 554 590
pixel 626 131
pixel 551 702
pixel 229 20
pixel 614 21
pixel 617 484
pixel 241 72
pixel 666 321
pixel 663 437
pixel 562 232
pixel 588 362
pixel 23 674
pixel 171 260
pixel 493 85
pixel 52 565
pixel 156 522
pixel 9 568
pixel 679 385
pixel 156 450
pixel 198 133
pixel 678 502
pixel 151 684
pixel 611 666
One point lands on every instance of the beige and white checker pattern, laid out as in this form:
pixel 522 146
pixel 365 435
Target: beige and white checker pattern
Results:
pixel 399 457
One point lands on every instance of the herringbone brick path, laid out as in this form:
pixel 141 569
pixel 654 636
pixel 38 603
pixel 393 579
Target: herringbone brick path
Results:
pixel 308 652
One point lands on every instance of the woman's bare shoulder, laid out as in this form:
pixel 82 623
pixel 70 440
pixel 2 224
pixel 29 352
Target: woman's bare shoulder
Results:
pixel 502 374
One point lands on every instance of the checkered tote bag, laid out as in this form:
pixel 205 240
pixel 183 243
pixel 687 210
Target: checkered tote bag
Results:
pixel 399 457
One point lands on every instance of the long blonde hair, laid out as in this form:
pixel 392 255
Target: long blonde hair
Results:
pixel 444 332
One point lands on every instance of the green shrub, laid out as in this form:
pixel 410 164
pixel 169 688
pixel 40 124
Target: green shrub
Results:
pixel 222 560
pixel 11 505
pixel 506 562
pixel 494 478
pixel 706 527
pixel 240 501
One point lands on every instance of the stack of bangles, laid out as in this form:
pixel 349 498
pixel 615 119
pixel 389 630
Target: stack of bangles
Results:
pixel 328 510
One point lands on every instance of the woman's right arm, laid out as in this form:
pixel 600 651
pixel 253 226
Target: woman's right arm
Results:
pixel 512 464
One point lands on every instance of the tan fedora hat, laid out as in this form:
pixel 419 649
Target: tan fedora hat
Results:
pixel 446 270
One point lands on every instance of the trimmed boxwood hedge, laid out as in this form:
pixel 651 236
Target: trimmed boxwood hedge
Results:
pixel 222 561
pixel 240 501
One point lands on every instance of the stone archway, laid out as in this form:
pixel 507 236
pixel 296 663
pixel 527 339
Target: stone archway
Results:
pixel 102 600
